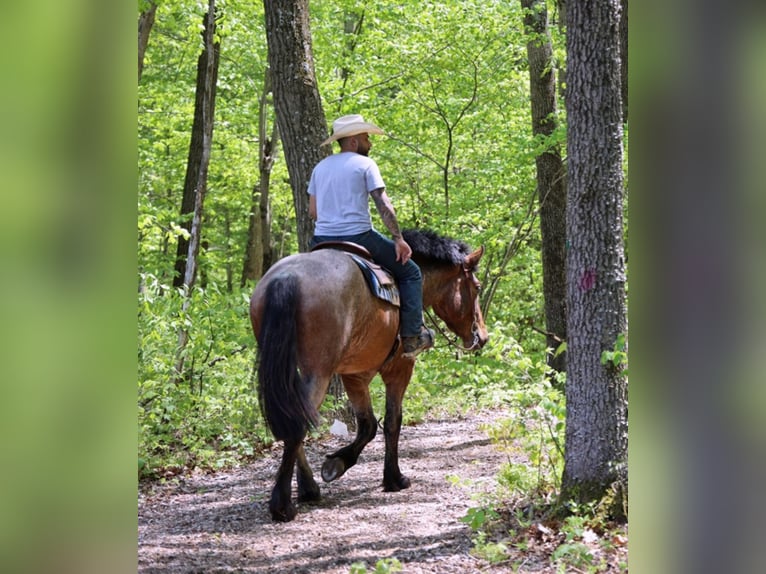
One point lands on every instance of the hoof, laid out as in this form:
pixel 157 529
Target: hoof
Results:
pixel 283 514
pixel 396 485
pixel 332 469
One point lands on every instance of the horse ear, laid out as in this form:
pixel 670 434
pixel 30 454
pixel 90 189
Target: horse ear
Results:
pixel 473 259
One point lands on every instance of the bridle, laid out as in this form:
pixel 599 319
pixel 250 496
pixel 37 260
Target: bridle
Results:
pixel 474 326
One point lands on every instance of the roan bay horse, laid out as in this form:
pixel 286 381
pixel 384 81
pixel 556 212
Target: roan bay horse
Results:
pixel 313 315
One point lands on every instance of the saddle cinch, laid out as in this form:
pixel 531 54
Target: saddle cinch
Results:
pixel 380 280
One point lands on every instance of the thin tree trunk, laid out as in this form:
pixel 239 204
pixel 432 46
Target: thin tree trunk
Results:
pixel 551 176
pixel 561 14
pixel 300 116
pixel 145 23
pixel 258 251
pixel 199 155
pixel 596 393
pixel 352 29
pixel 206 78
pixel 267 248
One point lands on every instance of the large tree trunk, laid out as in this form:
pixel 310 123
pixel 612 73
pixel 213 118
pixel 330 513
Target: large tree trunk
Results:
pixel 195 183
pixel 596 393
pixel 258 251
pixel 551 176
pixel 300 117
pixel 145 23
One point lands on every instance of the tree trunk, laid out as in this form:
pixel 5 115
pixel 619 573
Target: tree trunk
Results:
pixel 206 77
pixel 264 207
pixel 145 23
pixel 596 393
pixel 300 117
pixel 352 28
pixel 624 58
pixel 199 154
pixel 258 251
pixel 551 176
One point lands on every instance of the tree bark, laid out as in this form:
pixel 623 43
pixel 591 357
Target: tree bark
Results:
pixel 551 176
pixel 145 23
pixel 596 393
pixel 300 116
pixel 195 183
pixel 624 58
pixel 258 251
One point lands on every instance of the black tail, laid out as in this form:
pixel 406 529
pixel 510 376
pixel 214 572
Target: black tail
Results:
pixel 285 399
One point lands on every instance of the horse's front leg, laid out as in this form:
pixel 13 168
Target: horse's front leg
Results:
pixel 357 389
pixel 396 377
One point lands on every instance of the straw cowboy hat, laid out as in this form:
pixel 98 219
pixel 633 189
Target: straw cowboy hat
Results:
pixel 352 125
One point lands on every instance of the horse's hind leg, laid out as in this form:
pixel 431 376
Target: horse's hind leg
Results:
pixel 281 506
pixel 357 389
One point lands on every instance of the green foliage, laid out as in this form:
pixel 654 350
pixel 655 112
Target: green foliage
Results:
pixel 209 417
pixel 481 520
pixel 581 547
pixel 533 434
pixel 383 566
pixel 478 518
pixel 486 549
pixel 571 554
pixel 617 358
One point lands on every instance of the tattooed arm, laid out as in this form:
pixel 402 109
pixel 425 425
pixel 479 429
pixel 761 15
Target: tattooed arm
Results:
pixel 386 210
pixel 387 214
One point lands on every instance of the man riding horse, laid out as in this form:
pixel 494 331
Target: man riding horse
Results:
pixel 339 189
pixel 314 316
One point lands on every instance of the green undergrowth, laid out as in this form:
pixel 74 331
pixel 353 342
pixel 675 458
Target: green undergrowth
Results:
pixel 209 419
pixel 383 566
pixel 521 522
pixel 447 382
pixel 525 534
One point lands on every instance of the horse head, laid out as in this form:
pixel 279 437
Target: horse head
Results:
pixel 456 302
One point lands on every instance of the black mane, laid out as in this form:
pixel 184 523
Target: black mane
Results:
pixel 430 248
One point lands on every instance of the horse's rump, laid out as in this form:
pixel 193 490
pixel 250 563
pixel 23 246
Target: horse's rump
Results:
pixel 314 315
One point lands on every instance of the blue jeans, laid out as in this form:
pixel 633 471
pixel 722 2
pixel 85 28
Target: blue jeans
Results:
pixel 407 276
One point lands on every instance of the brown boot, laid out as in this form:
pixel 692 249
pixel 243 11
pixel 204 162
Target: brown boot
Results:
pixel 411 346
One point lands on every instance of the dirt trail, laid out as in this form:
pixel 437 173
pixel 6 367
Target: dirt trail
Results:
pixel 220 522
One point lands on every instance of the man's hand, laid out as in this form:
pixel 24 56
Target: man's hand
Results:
pixel 403 250
pixel 387 214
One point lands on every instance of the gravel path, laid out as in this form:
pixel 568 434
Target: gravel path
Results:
pixel 220 522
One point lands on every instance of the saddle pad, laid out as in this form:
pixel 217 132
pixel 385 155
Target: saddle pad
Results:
pixel 381 282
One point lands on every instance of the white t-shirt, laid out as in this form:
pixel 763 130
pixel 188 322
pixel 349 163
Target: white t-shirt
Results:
pixel 342 183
